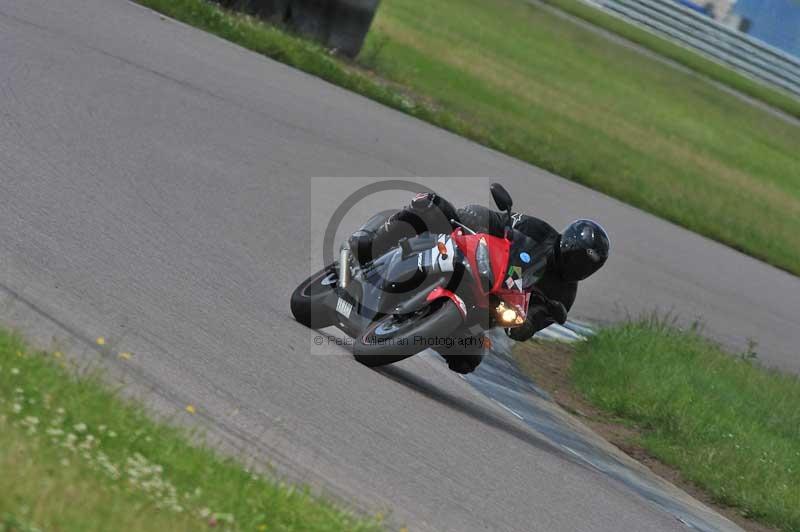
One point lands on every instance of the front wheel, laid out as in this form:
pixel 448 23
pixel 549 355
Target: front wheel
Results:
pixel 311 300
pixel 393 338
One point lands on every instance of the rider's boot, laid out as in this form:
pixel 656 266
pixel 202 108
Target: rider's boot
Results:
pixel 467 354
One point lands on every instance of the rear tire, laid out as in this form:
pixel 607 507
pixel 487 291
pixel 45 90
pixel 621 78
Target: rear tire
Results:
pixel 311 301
pixel 393 338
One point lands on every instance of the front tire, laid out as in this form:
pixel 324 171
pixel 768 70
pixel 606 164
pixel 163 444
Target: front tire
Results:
pixel 394 338
pixel 311 301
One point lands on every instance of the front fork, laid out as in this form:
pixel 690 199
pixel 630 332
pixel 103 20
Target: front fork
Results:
pixel 344 267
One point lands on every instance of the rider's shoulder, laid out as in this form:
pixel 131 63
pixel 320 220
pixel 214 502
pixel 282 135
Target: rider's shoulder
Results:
pixel 535 228
pixel 474 208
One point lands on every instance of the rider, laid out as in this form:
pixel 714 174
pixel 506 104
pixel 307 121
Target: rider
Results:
pixel 571 256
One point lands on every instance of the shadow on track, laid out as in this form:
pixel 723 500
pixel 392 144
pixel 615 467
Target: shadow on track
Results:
pixel 473 410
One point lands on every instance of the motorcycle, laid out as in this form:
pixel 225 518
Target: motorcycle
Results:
pixel 439 291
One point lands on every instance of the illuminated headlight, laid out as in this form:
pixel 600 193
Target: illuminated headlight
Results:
pixel 484 265
pixel 508 316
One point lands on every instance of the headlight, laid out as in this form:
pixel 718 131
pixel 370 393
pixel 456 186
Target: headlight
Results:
pixel 484 265
pixel 508 316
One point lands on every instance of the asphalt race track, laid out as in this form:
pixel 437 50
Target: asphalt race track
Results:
pixel 155 189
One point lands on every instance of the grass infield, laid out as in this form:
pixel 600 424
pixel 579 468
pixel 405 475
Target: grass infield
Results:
pixel 74 457
pixel 728 425
pixel 697 62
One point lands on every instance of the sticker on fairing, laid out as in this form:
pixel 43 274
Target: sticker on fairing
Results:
pixel 461 305
pixel 514 278
pixel 344 308
pixel 443 261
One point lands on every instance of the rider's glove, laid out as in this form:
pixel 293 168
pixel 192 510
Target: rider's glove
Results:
pixel 523 332
pixel 542 313
pixel 423 201
pixel 557 311
pixel 434 210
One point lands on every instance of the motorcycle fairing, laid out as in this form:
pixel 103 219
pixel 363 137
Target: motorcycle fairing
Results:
pixel 417 266
pixel 499 250
pixel 441 292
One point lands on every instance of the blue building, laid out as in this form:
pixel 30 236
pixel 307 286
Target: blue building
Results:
pixel 776 22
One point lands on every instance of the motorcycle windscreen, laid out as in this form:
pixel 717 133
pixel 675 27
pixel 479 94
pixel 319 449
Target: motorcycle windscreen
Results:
pixel 396 278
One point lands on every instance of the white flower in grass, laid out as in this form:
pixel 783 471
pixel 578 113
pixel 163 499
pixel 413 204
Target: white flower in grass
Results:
pixel 19 391
pixel 14 371
pixel 64 462
pixel 112 434
pixel 30 423
pixel 80 427
pixel 60 411
pixel 69 443
pixel 88 443
pixel 107 466
pixel 17 408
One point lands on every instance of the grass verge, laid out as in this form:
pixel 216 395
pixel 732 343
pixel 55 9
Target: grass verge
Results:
pixel 524 81
pixel 75 457
pixel 688 58
pixel 725 424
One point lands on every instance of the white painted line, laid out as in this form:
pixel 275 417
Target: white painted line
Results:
pixel 508 409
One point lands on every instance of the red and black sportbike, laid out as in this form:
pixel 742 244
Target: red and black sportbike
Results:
pixel 439 291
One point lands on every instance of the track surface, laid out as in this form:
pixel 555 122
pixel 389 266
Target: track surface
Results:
pixel 154 189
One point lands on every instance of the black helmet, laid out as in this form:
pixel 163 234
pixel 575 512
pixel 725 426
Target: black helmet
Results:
pixel 583 250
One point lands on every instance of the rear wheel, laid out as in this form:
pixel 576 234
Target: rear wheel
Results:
pixel 393 338
pixel 311 301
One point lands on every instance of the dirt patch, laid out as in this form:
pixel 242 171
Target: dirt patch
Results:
pixel 548 364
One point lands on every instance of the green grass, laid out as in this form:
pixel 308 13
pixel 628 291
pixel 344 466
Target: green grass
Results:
pixel 524 81
pixel 75 457
pixel 729 426
pixel 688 58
